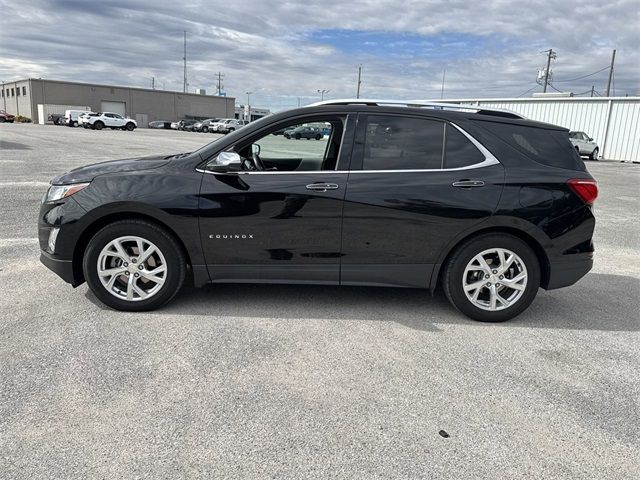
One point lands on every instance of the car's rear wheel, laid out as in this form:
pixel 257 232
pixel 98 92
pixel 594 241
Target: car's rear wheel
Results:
pixel 2 120
pixel 75 123
pixel 318 137
pixel 98 125
pixel 205 129
pixel 134 265
pixel 594 154
pixel 492 278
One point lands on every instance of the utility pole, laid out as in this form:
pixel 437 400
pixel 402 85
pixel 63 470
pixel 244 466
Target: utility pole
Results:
pixel 219 86
pixel 592 88
pixel 298 102
pixel 184 58
pixel 359 80
pixel 153 83
pixel 613 59
pixel 442 90
pixel 322 92
pixel 550 54
pixel 249 106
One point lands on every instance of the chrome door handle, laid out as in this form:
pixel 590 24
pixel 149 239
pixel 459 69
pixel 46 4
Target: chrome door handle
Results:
pixel 322 187
pixel 468 183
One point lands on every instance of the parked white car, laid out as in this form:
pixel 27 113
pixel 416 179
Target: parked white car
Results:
pixel 84 117
pixel 111 120
pixel 584 144
pixel 227 125
pixel 71 117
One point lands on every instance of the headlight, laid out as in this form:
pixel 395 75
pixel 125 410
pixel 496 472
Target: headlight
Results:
pixel 58 192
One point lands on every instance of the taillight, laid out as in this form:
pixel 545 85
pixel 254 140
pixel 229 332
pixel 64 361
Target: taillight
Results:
pixel 586 189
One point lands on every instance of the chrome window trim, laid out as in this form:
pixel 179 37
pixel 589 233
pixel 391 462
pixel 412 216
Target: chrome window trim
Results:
pixel 489 159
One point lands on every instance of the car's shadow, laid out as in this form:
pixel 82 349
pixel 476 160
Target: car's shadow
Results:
pixel 597 302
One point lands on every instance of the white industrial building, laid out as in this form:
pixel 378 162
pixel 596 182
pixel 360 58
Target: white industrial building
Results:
pixel 614 122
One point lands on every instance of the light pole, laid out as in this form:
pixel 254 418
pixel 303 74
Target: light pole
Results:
pixel 322 92
pixel 249 105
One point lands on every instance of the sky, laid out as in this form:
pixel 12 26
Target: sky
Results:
pixel 285 51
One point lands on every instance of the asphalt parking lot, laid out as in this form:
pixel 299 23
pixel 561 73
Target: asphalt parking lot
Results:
pixel 250 381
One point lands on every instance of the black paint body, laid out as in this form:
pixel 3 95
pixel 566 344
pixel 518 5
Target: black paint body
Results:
pixel 394 229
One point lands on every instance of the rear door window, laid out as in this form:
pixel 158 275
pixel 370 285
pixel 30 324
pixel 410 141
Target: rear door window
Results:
pixel 402 143
pixel 459 151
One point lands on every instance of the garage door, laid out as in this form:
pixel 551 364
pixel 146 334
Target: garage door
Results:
pixel 114 107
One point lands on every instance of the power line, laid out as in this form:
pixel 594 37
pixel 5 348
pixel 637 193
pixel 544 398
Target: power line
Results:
pixel 523 94
pixel 584 76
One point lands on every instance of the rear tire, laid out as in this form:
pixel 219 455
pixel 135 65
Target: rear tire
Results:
pixel 130 126
pixel 318 137
pixel 98 125
pixel 594 154
pixel 115 296
pixel 75 124
pixel 463 271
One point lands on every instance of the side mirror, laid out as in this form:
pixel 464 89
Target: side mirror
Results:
pixel 226 162
pixel 590 139
pixel 255 149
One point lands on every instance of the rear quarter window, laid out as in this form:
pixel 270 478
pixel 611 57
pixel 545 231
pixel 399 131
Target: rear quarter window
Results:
pixel 549 147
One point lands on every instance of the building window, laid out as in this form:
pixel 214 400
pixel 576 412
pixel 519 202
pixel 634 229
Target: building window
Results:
pixel 24 90
pixel 12 92
pixel 3 93
pixel 17 91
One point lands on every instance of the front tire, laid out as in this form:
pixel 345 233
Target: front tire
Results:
pixel 492 278
pixel 594 154
pixel 134 265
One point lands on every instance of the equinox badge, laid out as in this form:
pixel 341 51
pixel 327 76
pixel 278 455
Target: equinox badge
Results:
pixel 231 237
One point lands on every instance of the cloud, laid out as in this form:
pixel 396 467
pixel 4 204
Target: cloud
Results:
pixel 285 50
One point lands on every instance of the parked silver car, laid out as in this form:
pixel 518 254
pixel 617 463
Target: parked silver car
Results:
pixel 584 144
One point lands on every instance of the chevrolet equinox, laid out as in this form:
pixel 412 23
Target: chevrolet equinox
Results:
pixel 485 203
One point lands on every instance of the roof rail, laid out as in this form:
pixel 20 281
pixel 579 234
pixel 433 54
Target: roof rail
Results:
pixel 422 104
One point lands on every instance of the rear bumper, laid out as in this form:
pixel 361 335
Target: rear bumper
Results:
pixel 62 268
pixel 568 269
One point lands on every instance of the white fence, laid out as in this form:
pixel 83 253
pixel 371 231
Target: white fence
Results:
pixel 614 122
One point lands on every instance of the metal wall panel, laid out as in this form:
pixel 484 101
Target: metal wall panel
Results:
pixel 613 122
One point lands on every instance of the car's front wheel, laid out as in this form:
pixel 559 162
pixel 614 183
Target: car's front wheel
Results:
pixel 134 265
pixel 594 154
pixel 492 278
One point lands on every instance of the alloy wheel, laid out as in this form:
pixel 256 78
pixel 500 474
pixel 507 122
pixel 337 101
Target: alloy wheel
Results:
pixel 495 279
pixel 132 268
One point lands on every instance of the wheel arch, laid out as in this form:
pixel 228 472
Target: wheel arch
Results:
pixel 536 246
pixel 103 221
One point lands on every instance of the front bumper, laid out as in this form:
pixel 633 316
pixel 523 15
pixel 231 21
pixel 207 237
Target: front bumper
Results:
pixel 62 268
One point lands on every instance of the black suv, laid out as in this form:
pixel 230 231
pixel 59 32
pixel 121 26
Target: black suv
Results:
pixel 486 204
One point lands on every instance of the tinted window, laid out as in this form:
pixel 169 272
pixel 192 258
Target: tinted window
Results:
pixel 460 152
pixel 402 143
pixel 549 147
